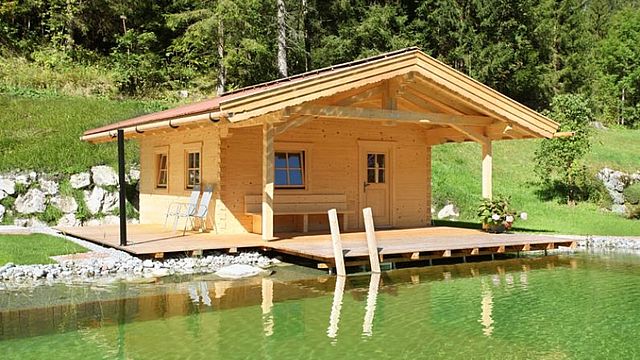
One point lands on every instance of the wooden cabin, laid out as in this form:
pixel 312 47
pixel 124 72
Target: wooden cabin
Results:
pixel 355 135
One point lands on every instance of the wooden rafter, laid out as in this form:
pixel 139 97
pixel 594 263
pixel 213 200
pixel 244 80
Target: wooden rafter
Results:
pixel 292 124
pixel 354 113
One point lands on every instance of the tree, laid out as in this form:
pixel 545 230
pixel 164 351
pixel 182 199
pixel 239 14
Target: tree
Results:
pixel 618 86
pixel 559 160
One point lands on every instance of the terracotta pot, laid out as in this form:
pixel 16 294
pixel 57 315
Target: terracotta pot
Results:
pixel 495 228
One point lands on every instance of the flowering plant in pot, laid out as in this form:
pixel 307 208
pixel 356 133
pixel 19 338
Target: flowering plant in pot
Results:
pixel 497 215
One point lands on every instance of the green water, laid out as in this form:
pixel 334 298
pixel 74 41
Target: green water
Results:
pixel 558 307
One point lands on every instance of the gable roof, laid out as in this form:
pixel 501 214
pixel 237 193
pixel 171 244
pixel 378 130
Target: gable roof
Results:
pixel 247 103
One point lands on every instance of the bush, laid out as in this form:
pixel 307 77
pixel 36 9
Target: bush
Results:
pixel 51 215
pixel 632 194
pixel 633 212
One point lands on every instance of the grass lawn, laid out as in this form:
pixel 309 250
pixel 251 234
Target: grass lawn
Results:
pixel 43 134
pixel 514 177
pixel 34 248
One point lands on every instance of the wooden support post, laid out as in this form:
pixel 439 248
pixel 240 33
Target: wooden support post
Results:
pixel 487 168
pixel 372 243
pixel 337 242
pixel 268 158
pixel 123 189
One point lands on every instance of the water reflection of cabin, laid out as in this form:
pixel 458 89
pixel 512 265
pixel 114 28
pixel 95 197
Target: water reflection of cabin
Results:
pixel 355 135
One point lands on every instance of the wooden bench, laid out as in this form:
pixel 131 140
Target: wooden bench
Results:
pixel 296 204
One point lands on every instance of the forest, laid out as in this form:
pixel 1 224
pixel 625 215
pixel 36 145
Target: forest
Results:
pixel 163 49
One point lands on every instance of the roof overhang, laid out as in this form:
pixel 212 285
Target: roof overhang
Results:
pixel 250 106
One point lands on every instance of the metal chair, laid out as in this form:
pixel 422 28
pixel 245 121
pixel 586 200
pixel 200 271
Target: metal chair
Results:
pixel 181 209
pixel 201 211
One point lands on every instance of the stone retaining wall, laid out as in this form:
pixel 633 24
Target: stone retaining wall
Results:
pixel 87 198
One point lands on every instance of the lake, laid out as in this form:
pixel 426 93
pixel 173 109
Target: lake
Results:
pixel 563 306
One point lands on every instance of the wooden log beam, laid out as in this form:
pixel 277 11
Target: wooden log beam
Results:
pixel 336 240
pixel 487 170
pixel 292 124
pixel 268 158
pixel 372 243
pixel 355 113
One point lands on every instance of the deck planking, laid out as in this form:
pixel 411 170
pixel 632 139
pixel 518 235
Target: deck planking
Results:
pixel 394 245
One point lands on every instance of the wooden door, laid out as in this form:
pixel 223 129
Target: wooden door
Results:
pixel 375 182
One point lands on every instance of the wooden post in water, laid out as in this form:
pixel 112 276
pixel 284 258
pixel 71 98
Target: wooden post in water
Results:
pixel 337 242
pixel 372 243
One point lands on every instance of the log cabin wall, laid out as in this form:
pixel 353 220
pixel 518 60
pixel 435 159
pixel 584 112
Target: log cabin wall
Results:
pixel 332 164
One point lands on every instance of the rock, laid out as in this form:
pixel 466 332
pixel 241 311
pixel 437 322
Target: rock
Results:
pixel 93 199
pixel 31 202
pixel 619 209
pixel 21 222
pixel 110 220
pixel 2 211
pixel 237 271
pixel 3 195
pixel 93 222
pixel 449 211
pixel 68 220
pixel 80 180
pixel 598 125
pixel 22 179
pixel 35 223
pixel 615 182
pixel 66 204
pixel 160 272
pixel 49 187
pixel 147 263
pixel 104 176
pixel 8 186
pixel 134 174
pixel 110 202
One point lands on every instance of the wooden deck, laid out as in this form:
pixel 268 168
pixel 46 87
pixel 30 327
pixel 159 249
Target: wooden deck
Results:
pixel 395 245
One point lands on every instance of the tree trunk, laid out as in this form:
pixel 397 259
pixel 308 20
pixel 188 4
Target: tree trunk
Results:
pixel 282 39
pixel 305 35
pixel 222 71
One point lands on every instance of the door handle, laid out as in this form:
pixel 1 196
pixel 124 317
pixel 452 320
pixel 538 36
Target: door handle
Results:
pixel 364 187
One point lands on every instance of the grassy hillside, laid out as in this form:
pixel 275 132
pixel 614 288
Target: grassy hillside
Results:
pixel 42 133
pixel 514 176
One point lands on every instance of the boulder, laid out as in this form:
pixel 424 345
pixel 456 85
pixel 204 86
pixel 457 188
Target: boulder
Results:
pixel 22 179
pixel 237 271
pixel 93 199
pixel 449 211
pixel 134 174
pixel 104 176
pixel 8 186
pixel 21 222
pixel 3 195
pixel 2 211
pixel 110 202
pixel 49 187
pixel 66 204
pixel 80 180
pixel 31 202
pixel 35 223
pixel 618 209
pixel 68 220
pixel 110 220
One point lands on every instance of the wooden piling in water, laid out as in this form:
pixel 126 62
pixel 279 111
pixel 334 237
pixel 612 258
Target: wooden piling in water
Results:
pixel 372 242
pixel 337 242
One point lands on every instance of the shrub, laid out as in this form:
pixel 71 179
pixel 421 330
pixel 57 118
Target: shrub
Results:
pixel 51 214
pixel 633 212
pixel 632 194
pixel 8 202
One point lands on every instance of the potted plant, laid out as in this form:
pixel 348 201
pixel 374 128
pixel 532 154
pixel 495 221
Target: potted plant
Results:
pixel 496 215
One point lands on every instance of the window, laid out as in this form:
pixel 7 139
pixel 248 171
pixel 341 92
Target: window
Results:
pixel 193 168
pixel 375 168
pixel 289 169
pixel 162 172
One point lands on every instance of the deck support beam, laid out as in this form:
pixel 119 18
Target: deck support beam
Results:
pixel 487 169
pixel 122 189
pixel 268 158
